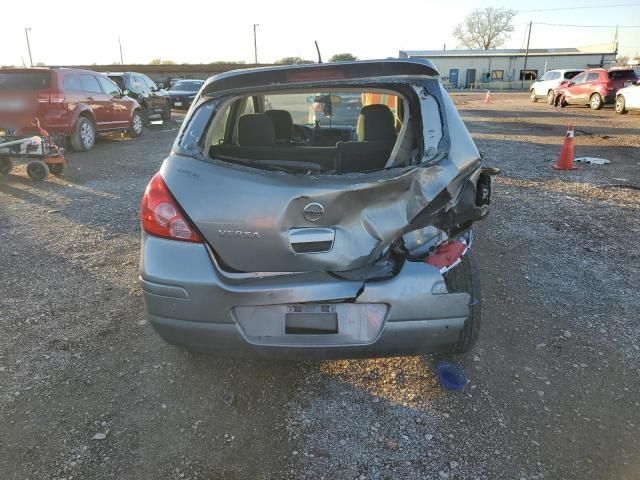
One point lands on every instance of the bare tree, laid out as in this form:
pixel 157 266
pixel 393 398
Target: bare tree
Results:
pixel 485 28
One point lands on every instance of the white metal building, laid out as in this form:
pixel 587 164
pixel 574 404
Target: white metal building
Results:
pixel 463 68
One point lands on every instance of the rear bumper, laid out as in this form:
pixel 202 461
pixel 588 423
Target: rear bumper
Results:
pixel 192 303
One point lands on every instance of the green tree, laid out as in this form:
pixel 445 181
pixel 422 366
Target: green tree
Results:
pixel 343 57
pixel 485 28
pixel 292 61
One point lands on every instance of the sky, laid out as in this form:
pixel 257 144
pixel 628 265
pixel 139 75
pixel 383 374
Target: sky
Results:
pixel 65 32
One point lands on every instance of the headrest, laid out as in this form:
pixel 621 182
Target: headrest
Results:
pixel 376 122
pixel 283 124
pixel 255 130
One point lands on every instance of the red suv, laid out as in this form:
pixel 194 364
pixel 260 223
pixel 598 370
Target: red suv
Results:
pixel 593 87
pixel 77 103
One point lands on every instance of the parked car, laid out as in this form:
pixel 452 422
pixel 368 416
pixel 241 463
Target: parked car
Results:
pixel 546 85
pixel 183 92
pixel 333 109
pixel 153 100
pixel 77 103
pixel 594 87
pixel 628 98
pixel 257 240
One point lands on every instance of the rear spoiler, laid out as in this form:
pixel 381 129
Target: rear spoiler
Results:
pixel 312 73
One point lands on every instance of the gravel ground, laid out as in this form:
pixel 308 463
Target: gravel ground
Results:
pixel 88 391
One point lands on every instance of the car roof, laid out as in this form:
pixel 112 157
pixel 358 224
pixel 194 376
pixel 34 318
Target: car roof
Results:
pixel 46 69
pixel 318 73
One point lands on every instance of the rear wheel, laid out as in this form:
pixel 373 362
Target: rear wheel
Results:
pixel 595 102
pixel 620 105
pixel 533 96
pixel 37 170
pixel 560 101
pixel 6 165
pixel 137 124
pixel 84 137
pixel 465 278
pixel 166 112
pixel 550 96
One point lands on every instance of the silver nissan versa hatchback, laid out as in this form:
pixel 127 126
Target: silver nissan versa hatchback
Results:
pixel 318 211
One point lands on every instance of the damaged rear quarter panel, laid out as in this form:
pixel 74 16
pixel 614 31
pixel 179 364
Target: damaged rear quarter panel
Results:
pixel 368 211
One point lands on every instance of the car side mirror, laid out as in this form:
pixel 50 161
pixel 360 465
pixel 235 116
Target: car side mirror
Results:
pixel 125 92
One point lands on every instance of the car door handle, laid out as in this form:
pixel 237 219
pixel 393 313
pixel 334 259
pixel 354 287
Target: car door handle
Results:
pixel 312 239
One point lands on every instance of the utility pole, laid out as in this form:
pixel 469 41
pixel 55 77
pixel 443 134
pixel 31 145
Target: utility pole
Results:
pixel 526 56
pixel 255 43
pixel 120 43
pixel 26 34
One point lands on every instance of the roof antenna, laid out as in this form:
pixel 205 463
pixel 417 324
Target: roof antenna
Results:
pixel 318 50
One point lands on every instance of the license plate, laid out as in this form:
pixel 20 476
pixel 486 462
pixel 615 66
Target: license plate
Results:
pixel 178 104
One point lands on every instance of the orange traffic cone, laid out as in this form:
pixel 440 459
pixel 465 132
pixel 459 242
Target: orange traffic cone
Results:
pixel 565 160
pixel 487 97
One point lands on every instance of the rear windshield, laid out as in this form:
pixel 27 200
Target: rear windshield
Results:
pixel 13 81
pixel 338 131
pixel 187 86
pixel 570 75
pixel 622 75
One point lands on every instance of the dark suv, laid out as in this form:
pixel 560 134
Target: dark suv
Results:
pixel 153 100
pixel 77 103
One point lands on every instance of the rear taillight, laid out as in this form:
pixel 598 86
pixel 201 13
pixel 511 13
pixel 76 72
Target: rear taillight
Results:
pixel 56 97
pixel 161 216
pixel 50 98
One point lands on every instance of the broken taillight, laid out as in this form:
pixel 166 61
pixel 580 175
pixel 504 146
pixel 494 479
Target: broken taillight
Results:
pixel 161 216
pixel 447 255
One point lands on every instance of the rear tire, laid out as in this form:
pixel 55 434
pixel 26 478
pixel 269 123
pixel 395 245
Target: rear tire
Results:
pixel 38 170
pixel 595 101
pixel 465 278
pixel 550 96
pixel 533 96
pixel 166 112
pixel 620 105
pixel 137 124
pixel 84 136
pixel 6 165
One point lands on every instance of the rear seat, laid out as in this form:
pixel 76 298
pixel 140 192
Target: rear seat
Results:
pixel 376 139
pixel 257 141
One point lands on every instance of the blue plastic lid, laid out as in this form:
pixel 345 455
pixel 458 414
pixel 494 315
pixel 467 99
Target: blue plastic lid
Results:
pixel 451 375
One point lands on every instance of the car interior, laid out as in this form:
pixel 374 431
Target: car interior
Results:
pixel 332 132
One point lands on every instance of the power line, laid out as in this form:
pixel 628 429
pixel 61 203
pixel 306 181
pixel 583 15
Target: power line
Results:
pixel 586 26
pixel 582 7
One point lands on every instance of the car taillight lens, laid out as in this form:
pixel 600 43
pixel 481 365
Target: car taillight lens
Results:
pixel 50 97
pixel 56 97
pixel 161 216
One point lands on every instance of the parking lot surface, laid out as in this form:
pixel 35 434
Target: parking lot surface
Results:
pixel 87 390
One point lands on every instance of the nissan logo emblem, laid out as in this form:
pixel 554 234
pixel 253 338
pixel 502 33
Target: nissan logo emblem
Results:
pixel 313 212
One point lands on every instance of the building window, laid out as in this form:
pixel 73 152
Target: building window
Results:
pixel 528 74
pixel 497 74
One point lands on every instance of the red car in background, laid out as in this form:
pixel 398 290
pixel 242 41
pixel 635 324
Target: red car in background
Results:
pixel 594 87
pixel 76 103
